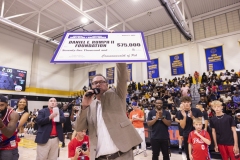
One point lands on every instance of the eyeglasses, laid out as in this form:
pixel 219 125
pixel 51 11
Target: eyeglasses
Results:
pixel 100 82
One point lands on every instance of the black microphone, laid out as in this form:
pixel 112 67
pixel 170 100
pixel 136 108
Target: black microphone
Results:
pixel 95 91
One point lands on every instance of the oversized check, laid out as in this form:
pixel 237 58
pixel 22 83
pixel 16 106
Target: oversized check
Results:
pixel 100 47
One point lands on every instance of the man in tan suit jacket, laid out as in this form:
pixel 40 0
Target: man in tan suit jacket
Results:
pixel 112 135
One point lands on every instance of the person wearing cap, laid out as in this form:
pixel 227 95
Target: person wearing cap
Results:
pixel 8 131
pixel 137 119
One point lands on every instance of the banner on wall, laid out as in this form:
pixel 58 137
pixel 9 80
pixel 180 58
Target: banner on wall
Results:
pixel 177 64
pixel 152 69
pixel 214 58
pixel 110 75
pixel 129 69
pixel 90 76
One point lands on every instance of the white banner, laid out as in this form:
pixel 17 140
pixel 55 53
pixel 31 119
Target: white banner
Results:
pixel 101 47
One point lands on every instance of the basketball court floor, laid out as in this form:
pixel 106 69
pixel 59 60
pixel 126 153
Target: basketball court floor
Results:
pixel 27 151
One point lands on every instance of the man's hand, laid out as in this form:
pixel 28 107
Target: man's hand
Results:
pixel 53 115
pixel 235 149
pixel 86 101
pixel 216 149
pixel 184 113
pixel 157 116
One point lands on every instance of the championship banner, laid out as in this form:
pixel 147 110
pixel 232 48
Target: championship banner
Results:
pixel 110 75
pixel 82 47
pixel 177 64
pixel 129 69
pixel 214 58
pixel 91 75
pixel 152 69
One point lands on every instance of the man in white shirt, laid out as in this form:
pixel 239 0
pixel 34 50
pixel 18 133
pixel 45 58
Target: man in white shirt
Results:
pixel 226 98
pixel 110 131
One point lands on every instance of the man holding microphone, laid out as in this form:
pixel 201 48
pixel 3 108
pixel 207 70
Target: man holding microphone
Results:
pixel 110 131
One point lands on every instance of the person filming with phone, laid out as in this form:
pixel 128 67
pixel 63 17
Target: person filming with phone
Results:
pixel 186 120
pixel 110 131
pixel 78 147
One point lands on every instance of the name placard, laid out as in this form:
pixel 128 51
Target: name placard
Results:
pixel 101 47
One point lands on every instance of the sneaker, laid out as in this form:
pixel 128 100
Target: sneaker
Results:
pixel 145 153
pixel 180 150
pixel 63 145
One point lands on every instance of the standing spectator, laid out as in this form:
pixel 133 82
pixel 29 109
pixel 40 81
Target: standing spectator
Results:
pixel 137 119
pixel 75 149
pixel 34 111
pixel 196 76
pixel 8 131
pixel 224 132
pixel 199 140
pixel 180 138
pixel 186 120
pixel 67 126
pixel 22 110
pixel 159 120
pixel 237 122
pixel 204 78
pixel 190 80
pixel 49 132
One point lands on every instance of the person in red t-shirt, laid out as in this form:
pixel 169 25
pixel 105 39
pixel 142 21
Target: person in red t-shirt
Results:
pixel 75 150
pixel 198 141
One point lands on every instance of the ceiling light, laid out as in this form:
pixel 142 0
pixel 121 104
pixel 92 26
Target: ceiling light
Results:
pixel 84 20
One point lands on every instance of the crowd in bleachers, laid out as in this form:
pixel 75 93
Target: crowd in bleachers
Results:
pixel 210 87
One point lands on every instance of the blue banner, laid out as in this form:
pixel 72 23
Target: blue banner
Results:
pixel 152 69
pixel 214 58
pixel 177 64
pixel 110 75
pixel 129 68
pixel 90 76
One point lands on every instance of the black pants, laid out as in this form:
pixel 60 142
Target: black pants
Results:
pixel 185 142
pixel 158 145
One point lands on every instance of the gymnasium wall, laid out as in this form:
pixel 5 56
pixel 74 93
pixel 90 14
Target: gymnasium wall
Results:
pixel 25 53
pixel 194 56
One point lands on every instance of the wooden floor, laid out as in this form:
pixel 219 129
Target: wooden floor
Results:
pixel 27 151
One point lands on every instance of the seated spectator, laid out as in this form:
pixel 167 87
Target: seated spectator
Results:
pixel 203 102
pixel 231 108
pixel 78 147
pixel 170 100
pixel 236 98
pixel 226 98
pixel 173 112
pixel 237 90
